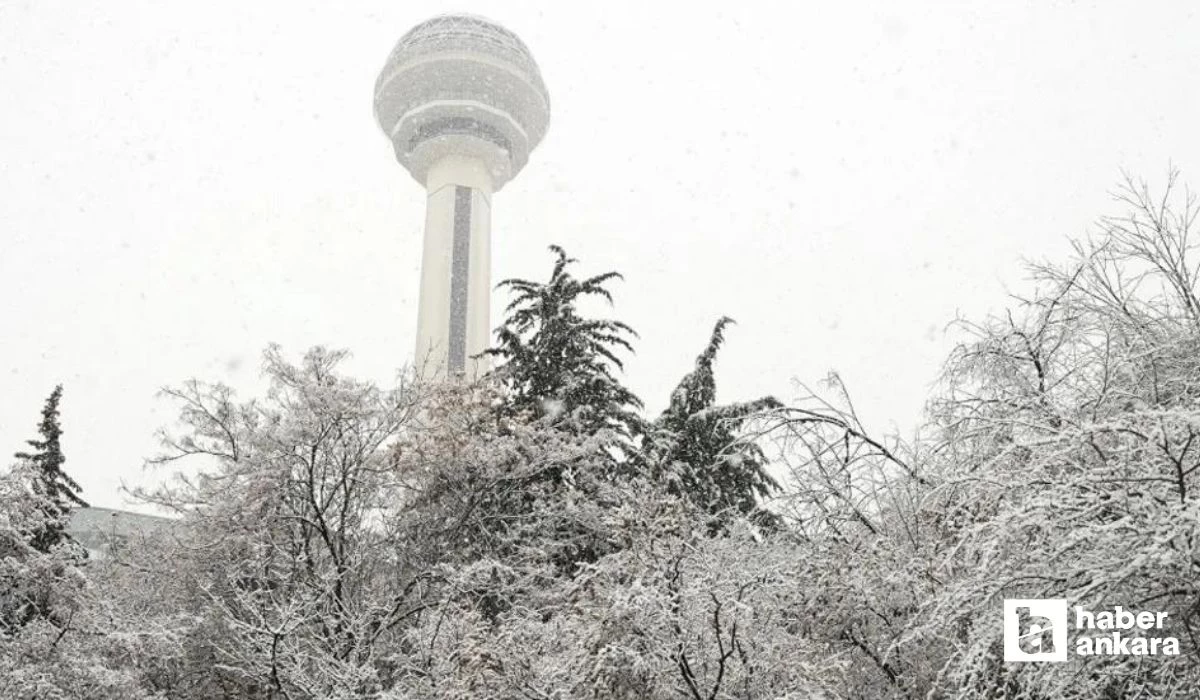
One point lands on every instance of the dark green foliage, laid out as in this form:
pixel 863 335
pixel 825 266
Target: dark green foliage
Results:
pixel 58 489
pixel 558 365
pixel 559 370
pixel 696 445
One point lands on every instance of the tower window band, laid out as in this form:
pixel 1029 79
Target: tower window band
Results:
pixel 458 125
pixel 460 274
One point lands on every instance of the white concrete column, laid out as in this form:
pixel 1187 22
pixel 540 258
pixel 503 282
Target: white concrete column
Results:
pixel 454 316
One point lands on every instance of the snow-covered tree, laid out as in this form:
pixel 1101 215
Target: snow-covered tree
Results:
pixel 560 365
pixel 493 485
pixel 55 641
pixel 295 572
pixel 1067 464
pixel 699 449
pixel 36 578
pixel 662 609
pixel 49 480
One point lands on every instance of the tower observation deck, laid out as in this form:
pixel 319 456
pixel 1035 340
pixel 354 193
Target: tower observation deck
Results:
pixel 463 103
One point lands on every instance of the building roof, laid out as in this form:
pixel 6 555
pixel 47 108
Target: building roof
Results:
pixel 102 529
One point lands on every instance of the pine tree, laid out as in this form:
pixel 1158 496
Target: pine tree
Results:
pixel 558 365
pixel 57 488
pixel 558 379
pixel 695 445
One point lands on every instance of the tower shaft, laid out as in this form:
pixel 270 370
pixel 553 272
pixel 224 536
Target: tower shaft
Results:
pixel 454 319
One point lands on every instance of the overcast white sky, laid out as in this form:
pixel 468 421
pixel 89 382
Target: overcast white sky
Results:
pixel 183 183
